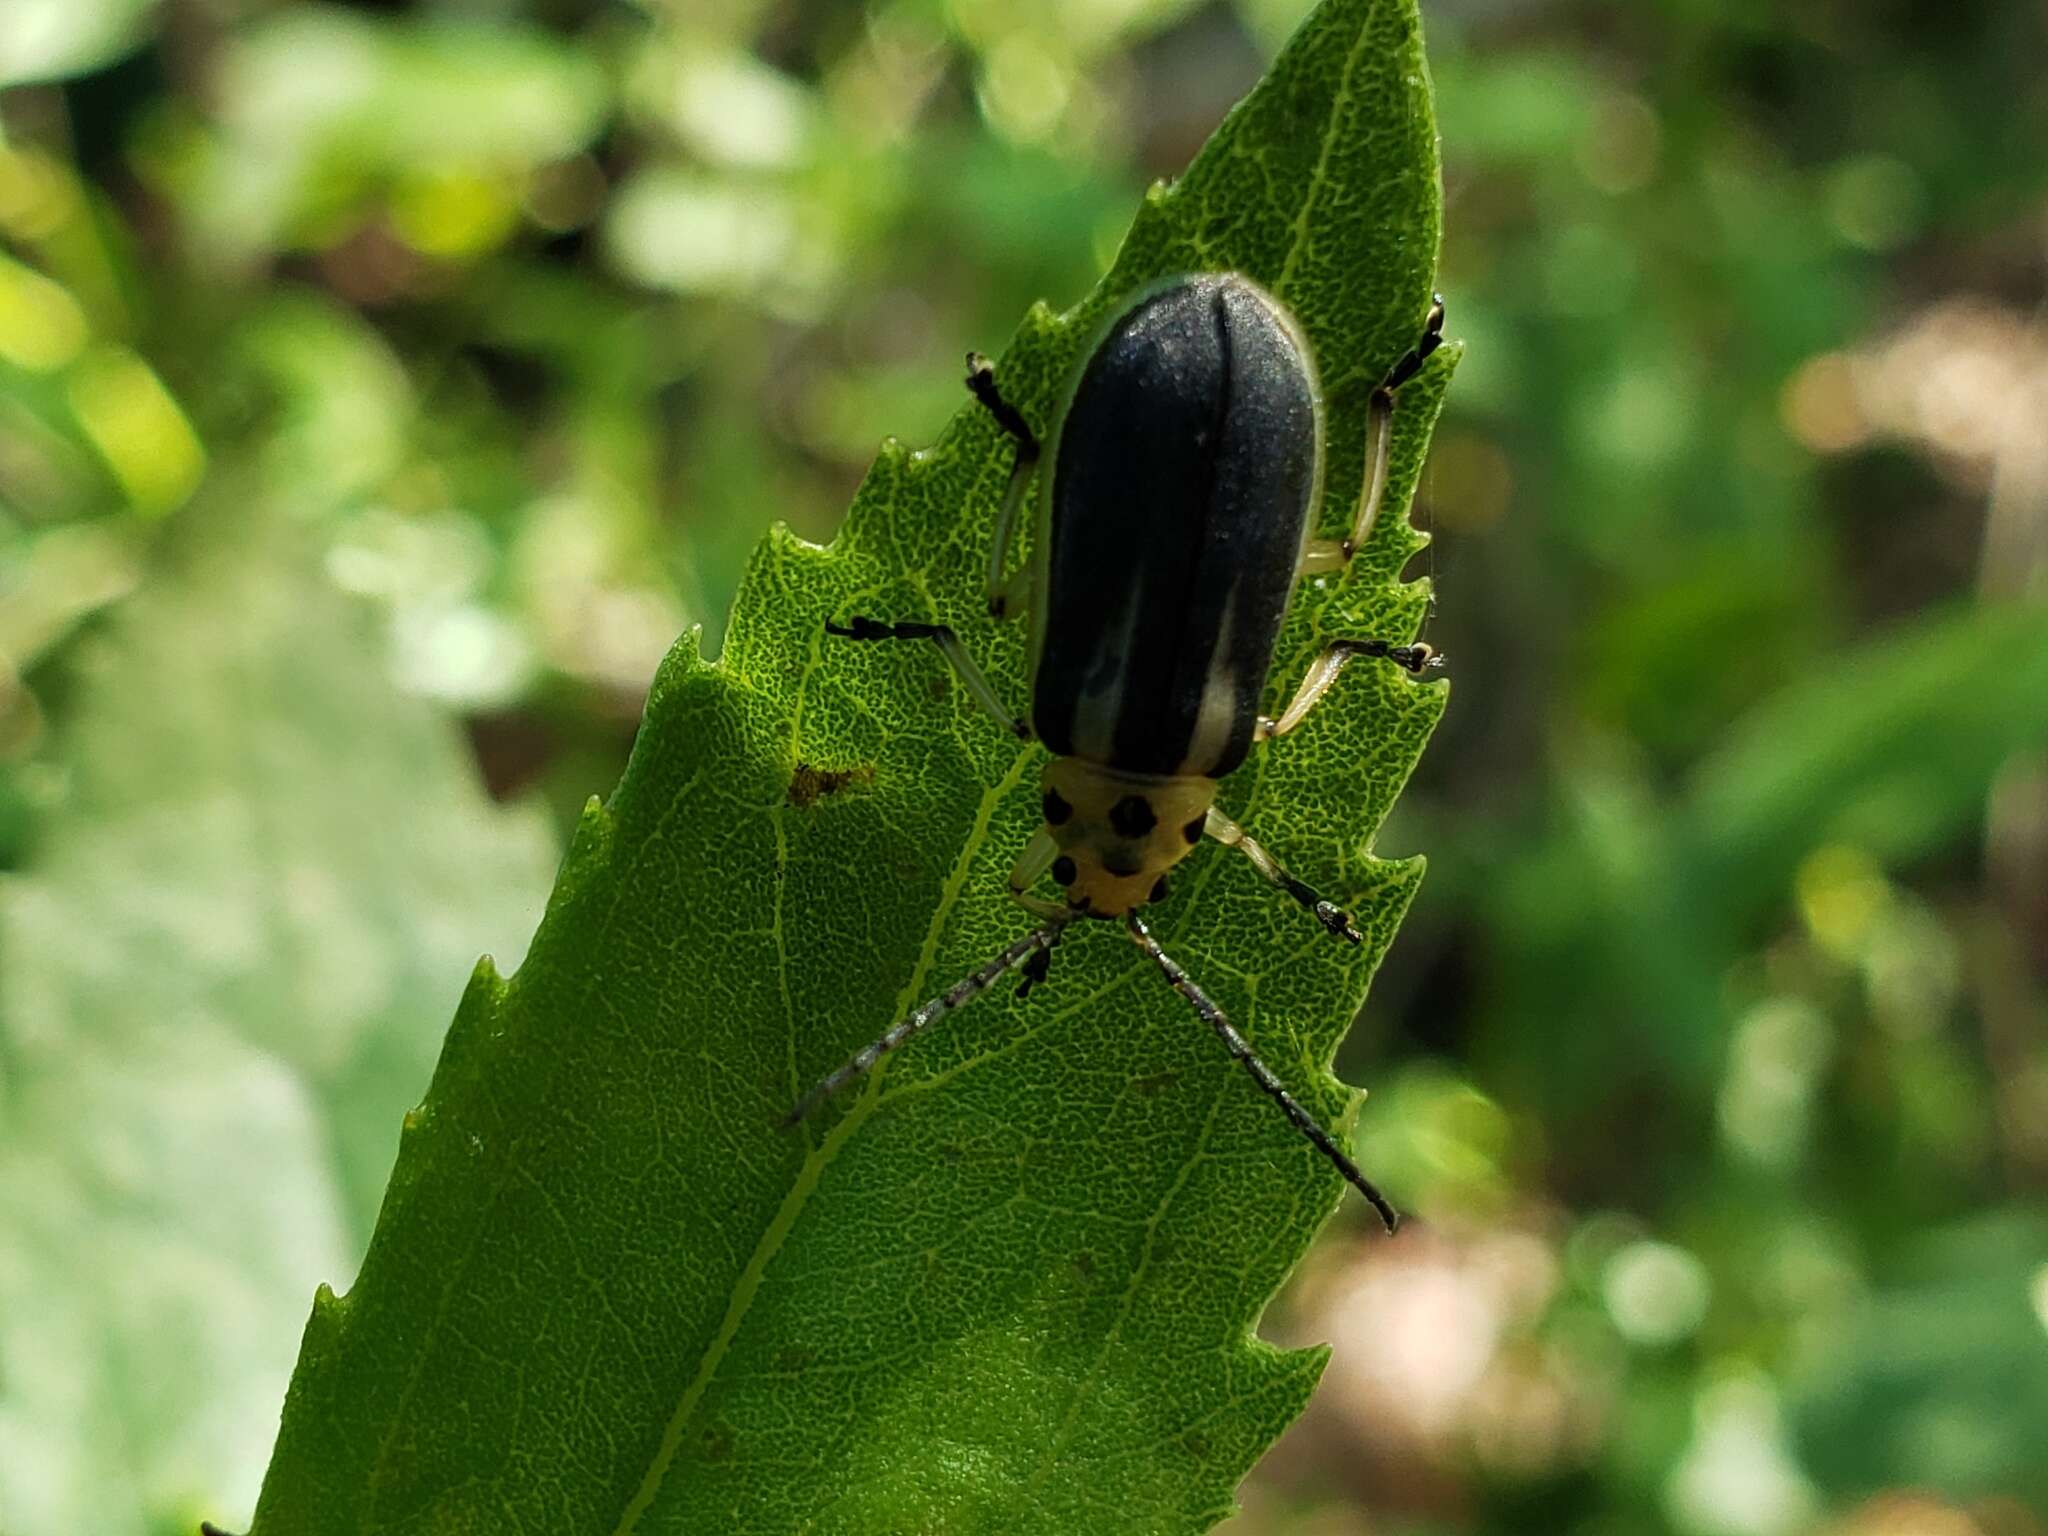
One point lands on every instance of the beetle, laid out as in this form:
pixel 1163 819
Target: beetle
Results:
pixel 1173 520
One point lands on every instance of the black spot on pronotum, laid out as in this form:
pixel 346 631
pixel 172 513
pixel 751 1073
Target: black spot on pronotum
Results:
pixel 1132 816
pixel 1056 809
pixel 810 783
pixel 1158 889
pixel 1064 871
pixel 1123 869
pixel 1193 830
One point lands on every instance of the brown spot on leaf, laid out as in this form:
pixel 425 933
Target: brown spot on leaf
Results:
pixel 810 783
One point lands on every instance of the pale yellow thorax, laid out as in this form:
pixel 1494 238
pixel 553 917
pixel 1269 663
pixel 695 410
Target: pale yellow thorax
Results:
pixel 1121 831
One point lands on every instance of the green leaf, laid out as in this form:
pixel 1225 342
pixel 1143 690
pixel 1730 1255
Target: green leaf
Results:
pixel 1008 1283
pixel 1938 1379
pixel 225 966
pixel 1891 746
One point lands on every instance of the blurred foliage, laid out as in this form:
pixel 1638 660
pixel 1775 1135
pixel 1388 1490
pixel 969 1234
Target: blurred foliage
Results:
pixel 248 915
pixel 1713 1049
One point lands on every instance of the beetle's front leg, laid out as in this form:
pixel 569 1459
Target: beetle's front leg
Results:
pixel 1324 555
pixel 1007 593
pixel 941 635
pixel 1333 918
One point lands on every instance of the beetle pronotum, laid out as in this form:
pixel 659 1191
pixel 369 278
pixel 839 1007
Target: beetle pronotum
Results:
pixel 1186 465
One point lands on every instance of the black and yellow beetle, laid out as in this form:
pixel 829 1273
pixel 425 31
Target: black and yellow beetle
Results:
pixel 1186 466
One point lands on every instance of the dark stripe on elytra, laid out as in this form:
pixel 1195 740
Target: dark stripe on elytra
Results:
pixel 1181 622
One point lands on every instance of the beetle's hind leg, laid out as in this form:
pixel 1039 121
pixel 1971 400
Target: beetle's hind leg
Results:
pixel 941 635
pixel 1333 918
pixel 1007 593
pixel 1332 554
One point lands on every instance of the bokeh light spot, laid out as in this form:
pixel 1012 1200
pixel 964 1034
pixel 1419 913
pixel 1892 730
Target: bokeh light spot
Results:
pixel 1656 1293
pixel 1841 892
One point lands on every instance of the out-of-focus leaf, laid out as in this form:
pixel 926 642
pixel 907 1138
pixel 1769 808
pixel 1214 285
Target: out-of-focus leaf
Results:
pixel 50 39
pixel 1940 1380
pixel 320 108
pixel 1009 1282
pixel 221 967
pixel 1891 747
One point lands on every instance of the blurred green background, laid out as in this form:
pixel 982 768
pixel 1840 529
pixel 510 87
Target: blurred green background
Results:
pixel 382 387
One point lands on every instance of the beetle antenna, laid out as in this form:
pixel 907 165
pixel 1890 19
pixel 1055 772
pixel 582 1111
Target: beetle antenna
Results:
pixel 1236 1044
pixel 965 990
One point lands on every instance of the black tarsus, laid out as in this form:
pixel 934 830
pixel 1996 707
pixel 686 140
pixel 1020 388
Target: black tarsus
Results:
pixel 1261 1074
pixel 1417 658
pixel 861 628
pixel 1417 355
pixel 1335 920
pixel 981 383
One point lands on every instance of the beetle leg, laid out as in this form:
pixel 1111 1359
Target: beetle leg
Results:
pixel 1324 555
pixel 941 635
pixel 1261 1074
pixel 1006 594
pixel 1009 597
pixel 1414 658
pixel 1034 861
pixel 1328 913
